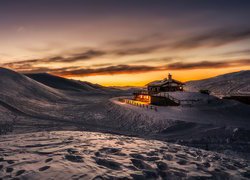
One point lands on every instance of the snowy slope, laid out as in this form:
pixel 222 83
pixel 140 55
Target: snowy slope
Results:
pixel 22 98
pixel 216 112
pixel 237 83
pixel 67 84
pixel 16 85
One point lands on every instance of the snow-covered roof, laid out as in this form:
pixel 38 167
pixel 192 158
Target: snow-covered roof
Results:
pixel 164 82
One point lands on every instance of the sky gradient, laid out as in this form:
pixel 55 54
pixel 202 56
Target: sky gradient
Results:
pixel 124 43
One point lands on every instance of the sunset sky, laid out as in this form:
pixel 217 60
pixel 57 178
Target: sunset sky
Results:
pixel 125 42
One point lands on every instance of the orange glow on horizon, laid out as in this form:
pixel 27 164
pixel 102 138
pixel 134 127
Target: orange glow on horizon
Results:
pixel 141 79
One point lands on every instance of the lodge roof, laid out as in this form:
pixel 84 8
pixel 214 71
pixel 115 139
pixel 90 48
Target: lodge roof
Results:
pixel 164 82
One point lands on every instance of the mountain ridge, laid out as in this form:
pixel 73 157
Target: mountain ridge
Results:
pixel 235 83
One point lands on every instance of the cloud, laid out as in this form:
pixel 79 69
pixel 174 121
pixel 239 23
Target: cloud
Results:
pixel 89 54
pixel 238 52
pixel 83 56
pixel 136 50
pixel 212 39
pixel 50 46
pixel 138 41
pixel 208 64
pixel 160 42
pixel 35 70
pixel 19 65
pixel 86 55
pixel 153 60
pixel 76 71
pixel 110 70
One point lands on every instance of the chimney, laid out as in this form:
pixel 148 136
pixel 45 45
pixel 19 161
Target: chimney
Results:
pixel 169 76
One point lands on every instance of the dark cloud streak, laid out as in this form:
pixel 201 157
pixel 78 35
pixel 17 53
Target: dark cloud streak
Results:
pixel 213 39
pixel 110 70
pixel 208 64
pixel 133 69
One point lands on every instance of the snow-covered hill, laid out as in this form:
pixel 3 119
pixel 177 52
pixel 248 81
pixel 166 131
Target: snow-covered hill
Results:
pixel 58 101
pixel 68 84
pixel 237 83
pixel 18 86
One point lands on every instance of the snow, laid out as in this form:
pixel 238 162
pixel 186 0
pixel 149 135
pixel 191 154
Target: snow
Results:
pixel 217 112
pixel 173 82
pixel 86 155
pixel 237 83
pixel 190 98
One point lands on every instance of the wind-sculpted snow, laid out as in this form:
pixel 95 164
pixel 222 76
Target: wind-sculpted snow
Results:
pixel 85 155
pixel 237 83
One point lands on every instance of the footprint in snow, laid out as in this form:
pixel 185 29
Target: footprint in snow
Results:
pixel 18 173
pixel 9 169
pixel 161 165
pixel 140 164
pixel 110 150
pixel 168 157
pixel 74 158
pixel 10 162
pixel 108 163
pixel 44 168
pixel 48 160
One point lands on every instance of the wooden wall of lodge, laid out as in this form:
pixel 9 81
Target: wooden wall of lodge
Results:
pixel 162 101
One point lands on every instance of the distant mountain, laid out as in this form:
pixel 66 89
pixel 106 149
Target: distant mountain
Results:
pixel 236 83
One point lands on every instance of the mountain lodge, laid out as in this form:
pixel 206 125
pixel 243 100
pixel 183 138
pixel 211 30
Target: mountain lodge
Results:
pixel 151 95
pixel 166 85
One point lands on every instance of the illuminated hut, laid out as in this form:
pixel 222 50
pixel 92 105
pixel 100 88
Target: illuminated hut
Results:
pixel 149 95
pixel 166 85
